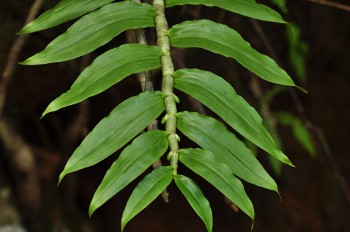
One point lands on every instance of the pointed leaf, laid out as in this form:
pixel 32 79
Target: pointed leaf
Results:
pixel 107 70
pixel 215 171
pixel 132 162
pixel 220 97
pixel 223 40
pixel 124 122
pixel 94 30
pixel 196 199
pixel 248 8
pixel 212 135
pixel 64 11
pixel 146 192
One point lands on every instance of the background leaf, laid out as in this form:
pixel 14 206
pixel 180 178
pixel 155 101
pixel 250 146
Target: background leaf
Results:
pixel 221 39
pixel 107 70
pixel 212 135
pixel 300 132
pixel 244 7
pixel 94 30
pixel 146 191
pixel 196 199
pixel 64 11
pixel 132 162
pixel 220 97
pixel 215 171
pixel 124 122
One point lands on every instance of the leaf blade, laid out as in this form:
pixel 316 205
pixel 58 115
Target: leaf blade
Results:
pixel 124 122
pixel 94 30
pixel 220 97
pixel 196 199
pixel 249 8
pixel 146 191
pixel 205 164
pixel 212 135
pixel 220 39
pixel 107 70
pixel 132 162
pixel 64 11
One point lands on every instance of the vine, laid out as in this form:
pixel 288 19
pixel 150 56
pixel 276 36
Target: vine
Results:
pixel 167 82
pixel 220 158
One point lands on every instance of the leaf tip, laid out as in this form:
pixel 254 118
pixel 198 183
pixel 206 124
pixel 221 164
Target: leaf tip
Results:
pixel 252 227
pixel 22 32
pixel 302 89
pixel 91 210
pixel 62 175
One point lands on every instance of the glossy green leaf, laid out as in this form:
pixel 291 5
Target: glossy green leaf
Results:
pixel 146 192
pixel 220 97
pixel 196 199
pixel 124 122
pixel 64 11
pixel 132 162
pixel 94 30
pixel 215 171
pixel 107 70
pixel 221 39
pixel 212 135
pixel 248 8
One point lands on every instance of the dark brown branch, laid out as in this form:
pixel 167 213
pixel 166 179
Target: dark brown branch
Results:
pixel 21 158
pixel 300 108
pixel 332 4
pixel 14 53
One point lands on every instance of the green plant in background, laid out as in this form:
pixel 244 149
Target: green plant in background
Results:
pixel 222 158
pixel 297 51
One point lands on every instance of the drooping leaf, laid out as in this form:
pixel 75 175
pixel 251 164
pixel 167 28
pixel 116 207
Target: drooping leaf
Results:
pixel 298 50
pixel 94 30
pixel 303 136
pixel 281 5
pixel 212 135
pixel 146 191
pixel 220 97
pixel 196 199
pixel 64 11
pixel 124 122
pixel 132 162
pixel 215 170
pixel 221 39
pixel 300 132
pixel 107 70
pixel 248 8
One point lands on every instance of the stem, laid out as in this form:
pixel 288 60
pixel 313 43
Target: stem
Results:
pixel 167 82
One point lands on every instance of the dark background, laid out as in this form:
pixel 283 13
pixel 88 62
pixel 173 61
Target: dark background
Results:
pixel 314 193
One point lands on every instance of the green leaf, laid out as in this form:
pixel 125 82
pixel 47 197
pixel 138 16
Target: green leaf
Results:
pixel 223 40
pixel 303 136
pixel 64 11
pixel 220 97
pixel 132 162
pixel 300 132
pixel 124 122
pixel 212 135
pixel 95 30
pixel 107 70
pixel 281 5
pixel 215 171
pixel 196 199
pixel 146 191
pixel 243 7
